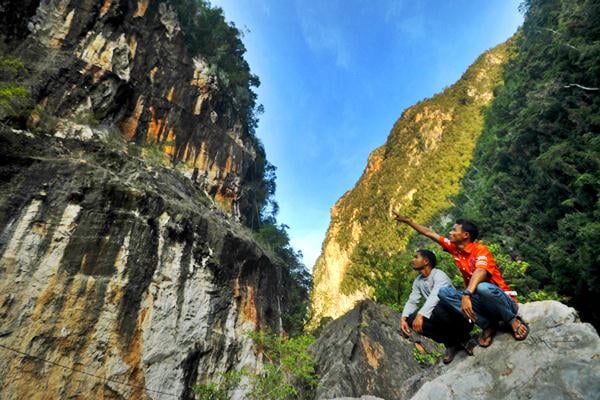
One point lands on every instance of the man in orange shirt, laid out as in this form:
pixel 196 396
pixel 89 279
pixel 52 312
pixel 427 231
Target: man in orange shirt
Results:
pixel 487 299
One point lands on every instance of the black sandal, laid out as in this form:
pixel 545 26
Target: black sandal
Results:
pixel 489 335
pixel 449 354
pixel 469 346
pixel 521 323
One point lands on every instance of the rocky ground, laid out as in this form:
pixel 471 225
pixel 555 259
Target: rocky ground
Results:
pixel 364 354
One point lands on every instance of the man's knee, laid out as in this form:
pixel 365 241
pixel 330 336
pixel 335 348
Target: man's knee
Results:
pixel 486 289
pixel 446 293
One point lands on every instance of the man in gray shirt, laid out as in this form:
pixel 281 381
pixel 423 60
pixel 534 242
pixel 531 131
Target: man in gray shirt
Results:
pixel 432 319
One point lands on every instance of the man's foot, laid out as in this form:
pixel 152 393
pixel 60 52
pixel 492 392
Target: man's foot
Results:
pixel 520 328
pixel 487 337
pixel 450 353
pixel 469 345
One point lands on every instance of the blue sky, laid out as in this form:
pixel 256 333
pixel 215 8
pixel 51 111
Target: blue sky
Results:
pixel 335 76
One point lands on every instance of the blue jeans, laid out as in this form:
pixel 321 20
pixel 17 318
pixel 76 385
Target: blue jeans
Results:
pixel 490 303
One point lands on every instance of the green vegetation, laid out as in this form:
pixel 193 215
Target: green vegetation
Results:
pixel 427 358
pixel 154 154
pixel 288 372
pixel 536 172
pixel 213 391
pixel 208 34
pixel 288 367
pixel 439 135
pixel 296 279
pixel 15 99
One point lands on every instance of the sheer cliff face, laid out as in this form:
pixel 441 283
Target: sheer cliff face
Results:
pixel 120 271
pixel 123 63
pixel 414 172
pixel 111 265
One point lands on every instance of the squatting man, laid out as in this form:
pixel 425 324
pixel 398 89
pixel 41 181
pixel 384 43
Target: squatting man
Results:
pixel 433 319
pixel 487 299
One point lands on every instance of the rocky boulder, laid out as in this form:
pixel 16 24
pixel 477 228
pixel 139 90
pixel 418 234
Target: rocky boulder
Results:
pixel 364 354
pixel 560 359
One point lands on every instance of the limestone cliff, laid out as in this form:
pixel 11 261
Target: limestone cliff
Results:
pixel 122 271
pixel 415 171
pixel 120 277
pixel 123 64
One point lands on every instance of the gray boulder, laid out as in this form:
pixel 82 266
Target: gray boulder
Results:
pixel 365 353
pixel 560 359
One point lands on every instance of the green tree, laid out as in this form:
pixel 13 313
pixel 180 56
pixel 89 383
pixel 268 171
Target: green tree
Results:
pixel 536 171
pixel 15 99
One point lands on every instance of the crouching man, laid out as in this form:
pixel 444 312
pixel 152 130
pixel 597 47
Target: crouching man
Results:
pixel 433 319
pixel 487 299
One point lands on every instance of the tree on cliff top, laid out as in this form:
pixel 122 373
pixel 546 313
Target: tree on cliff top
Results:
pixel 208 34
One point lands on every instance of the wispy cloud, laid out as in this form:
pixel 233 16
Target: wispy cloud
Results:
pixel 407 17
pixel 322 32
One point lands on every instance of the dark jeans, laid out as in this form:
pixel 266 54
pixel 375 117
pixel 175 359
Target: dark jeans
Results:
pixel 491 305
pixel 444 326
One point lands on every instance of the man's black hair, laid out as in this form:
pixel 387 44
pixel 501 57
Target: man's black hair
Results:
pixel 470 227
pixel 429 255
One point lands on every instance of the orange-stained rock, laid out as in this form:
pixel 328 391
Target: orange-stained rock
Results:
pixel 169 141
pixel 129 125
pixel 153 72
pixel 98 74
pixel 155 127
pixel 249 306
pixel 132 46
pixel 170 94
pixel 105 7
pixel 142 6
pixel 373 350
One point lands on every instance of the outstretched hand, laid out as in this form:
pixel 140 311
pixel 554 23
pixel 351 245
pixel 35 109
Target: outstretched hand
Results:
pixel 399 218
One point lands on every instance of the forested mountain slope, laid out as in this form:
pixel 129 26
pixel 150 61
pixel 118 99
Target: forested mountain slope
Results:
pixel 416 170
pixel 532 185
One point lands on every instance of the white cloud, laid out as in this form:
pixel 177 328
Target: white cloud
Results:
pixel 322 34
pixel 407 17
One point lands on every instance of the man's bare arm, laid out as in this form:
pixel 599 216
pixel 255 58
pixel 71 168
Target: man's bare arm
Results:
pixel 479 275
pixel 423 230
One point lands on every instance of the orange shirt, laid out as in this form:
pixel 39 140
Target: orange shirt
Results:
pixel 475 255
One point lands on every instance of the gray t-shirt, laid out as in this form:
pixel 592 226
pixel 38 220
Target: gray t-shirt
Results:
pixel 428 289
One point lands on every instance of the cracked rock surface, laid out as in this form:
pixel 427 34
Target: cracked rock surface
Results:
pixel 364 354
pixel 123 271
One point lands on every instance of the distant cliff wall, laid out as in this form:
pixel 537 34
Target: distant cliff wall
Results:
pixel 415 172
